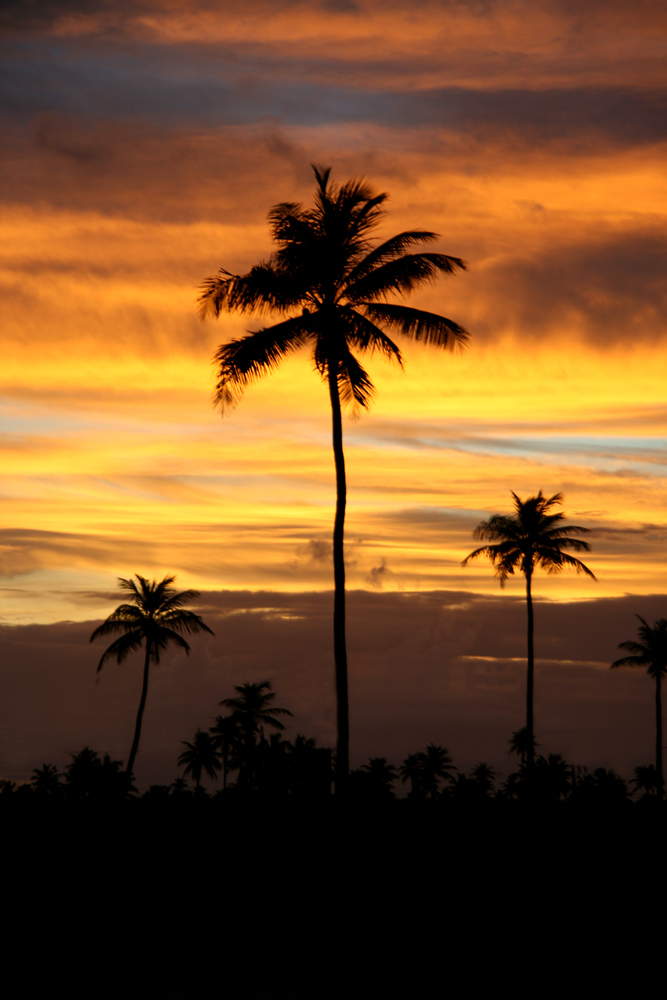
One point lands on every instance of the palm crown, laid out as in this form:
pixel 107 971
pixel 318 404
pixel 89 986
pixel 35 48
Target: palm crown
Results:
pixel 156 617
pixel 326 266
pixel 532 537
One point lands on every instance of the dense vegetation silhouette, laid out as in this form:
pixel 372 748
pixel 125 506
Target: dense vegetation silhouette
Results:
pixel 650 652
pixel 532 537
pixel 331 284
pixel 156 619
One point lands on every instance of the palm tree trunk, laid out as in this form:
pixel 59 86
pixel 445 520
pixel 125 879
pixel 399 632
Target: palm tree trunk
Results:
pixel 340 650
pixel 530 680
pixel 658 733
pixel 140 713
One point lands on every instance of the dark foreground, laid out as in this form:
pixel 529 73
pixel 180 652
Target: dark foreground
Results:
pixel 267 900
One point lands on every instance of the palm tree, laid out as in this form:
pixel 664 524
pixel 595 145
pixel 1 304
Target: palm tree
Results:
pixel 533 536
pixel 155 617
pixel 225 731
pixel 330 284
pixel 424 769
pixel 381 774
pixel 519 744
pixel 650 652
pixel 253 710
pixel 46 780
pixel 200 755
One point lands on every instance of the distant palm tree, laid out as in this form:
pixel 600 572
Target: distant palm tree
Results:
pixel 46 780
pixel 533 536
pixel 483 776
pixel 200 756
pixel 226 733
pixel 412 770
pixel 155 617
pixel 425 769
pixel 330 284
pixel 381 774
pixel 650 652
pixel 519 744
pixel 252 708
pixel 645 779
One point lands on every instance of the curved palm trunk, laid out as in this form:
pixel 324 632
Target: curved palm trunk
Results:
pixel 140 713
pixel 340 650
pixel 530 754
pixel 658 733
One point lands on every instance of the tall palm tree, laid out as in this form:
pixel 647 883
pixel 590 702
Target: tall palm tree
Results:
pixel 330 284
pixel 156 618
pixel 533 536
pixel 650 652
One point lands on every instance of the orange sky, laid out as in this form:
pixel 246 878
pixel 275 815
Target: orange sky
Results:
pixel 145 146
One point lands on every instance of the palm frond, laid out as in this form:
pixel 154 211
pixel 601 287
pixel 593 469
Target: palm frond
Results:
pixel 631 661
pixel 553 561
pixel 402 276
pixel 354 384
pixel 161 639
pixel 266 288
pixel 361 333
pixel 184 621
pixel 394 247
pixel 429 328
pixel 244 361
pixel 122 647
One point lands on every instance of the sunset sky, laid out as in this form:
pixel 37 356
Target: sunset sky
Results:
pixel 145 142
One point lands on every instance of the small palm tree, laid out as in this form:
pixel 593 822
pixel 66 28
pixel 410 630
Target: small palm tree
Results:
pixel 533 536
pixel 46 780
pixel 330 285
pixel 645 780
pixel 156 618
pixel 200 756
pixel 226 733
pixel 425 769
pixel 381 774
pixel 520 744
pixel 650 652
pixel 252 709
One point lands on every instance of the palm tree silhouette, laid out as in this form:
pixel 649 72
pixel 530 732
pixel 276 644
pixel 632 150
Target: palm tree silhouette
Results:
pixel 46 780
pixel 331 284
pixel 531 537
pixel 225 731
pixel 650 652
pixel 424 769
pixel 155 617
pixel 200 756
pixel 252 708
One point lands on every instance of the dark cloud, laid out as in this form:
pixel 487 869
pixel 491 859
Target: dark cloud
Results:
pixel 177 86
pixel 445 667
pixel 608 288
pixel 139 171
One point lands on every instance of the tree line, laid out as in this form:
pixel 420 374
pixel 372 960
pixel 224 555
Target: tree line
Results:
pixel 239 756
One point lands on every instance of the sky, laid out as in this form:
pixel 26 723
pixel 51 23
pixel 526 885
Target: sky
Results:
pixel 144 144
